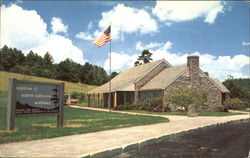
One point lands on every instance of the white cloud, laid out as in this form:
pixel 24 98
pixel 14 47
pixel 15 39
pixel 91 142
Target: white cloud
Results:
pixel 85 36
pixel 58 26
pixel 151 45
pixel 119 61
pixel 244 43
pixel 217 66
pixel 90 25
pixel 126 19
pixel 26 30
pixel 177 11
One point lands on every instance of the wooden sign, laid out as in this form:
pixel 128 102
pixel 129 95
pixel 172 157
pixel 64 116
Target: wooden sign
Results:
pixel 28 98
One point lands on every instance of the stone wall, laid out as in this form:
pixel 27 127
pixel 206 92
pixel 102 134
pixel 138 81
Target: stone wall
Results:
pixel 214 92
pixel 194 70
pixel 145 79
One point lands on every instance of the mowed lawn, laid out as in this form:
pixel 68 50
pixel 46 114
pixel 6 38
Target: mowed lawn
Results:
pixel 76 121
pixel 69 86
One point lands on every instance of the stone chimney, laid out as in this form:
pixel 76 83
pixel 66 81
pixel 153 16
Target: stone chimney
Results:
pixel 193 66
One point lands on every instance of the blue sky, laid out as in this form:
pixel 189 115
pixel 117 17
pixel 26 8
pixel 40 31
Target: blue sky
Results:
pixel 216 31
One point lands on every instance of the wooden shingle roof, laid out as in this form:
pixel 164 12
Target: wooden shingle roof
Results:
pixel 164 78
pixel 220 86
pixel 125 80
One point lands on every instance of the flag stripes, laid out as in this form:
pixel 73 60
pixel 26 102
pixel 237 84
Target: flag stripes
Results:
pixel 104 38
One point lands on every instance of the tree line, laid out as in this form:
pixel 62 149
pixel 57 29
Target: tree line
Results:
pixel 239 88
pixel 14 60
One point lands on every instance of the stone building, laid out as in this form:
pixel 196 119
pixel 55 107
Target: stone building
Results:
pixel 153 80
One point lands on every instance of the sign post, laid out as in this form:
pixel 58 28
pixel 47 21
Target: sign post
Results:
pixel 31 98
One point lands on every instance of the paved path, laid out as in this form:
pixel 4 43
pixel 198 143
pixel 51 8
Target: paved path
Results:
pixel 86 144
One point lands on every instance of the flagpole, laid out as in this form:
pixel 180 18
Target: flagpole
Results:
pixel 110 94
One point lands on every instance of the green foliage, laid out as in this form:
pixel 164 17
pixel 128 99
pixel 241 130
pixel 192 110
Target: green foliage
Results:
pixel 184 96
pixel 77 95
pixel 239 88
pixel 235 104
pixel 145 57
pixel 13 60
pixel 221 108
pixel 151 105
pixel 113 74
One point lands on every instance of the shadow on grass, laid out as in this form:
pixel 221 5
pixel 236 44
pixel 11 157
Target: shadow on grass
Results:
pixel 76 121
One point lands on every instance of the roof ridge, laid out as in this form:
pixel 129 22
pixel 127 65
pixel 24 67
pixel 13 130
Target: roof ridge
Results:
pixel 160 61
pixel 177 76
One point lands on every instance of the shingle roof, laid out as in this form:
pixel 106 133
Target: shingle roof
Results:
pixel 125 80
pixel 164 78
pixel 220 86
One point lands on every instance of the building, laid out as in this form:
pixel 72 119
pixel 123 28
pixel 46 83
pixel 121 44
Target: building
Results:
pixel 154 79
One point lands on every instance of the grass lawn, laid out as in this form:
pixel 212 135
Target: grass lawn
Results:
pixel 76 121
pixel 202 113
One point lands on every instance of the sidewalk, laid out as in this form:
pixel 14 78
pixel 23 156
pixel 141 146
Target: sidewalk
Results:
pixel 88 144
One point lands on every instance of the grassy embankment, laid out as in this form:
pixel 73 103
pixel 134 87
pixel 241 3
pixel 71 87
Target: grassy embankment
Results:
pixel 75 120
pixel 69 86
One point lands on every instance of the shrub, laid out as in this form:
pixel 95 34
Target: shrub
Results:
pixel 154 105
pixel 151 105
pixel 235 104
pixel 125 107
pixel 182 97
pixel 221 108
pixel 77 95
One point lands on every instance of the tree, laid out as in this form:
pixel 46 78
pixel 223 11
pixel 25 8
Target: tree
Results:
pixel 206 73
pixel 234 87
pixel 10 58
pixel 185 96
pixel 68 70
pixel 113 74
pixel 145 57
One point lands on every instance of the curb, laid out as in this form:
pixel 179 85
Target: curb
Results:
pixel 138 145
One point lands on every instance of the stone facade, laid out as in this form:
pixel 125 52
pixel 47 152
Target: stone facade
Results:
pixel 194 69
pixel 195 77
pixel 141 82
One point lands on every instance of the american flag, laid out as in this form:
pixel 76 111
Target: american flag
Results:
pixel 104 38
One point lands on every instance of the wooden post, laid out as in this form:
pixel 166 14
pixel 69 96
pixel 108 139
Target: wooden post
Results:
pixel 94 99
pixel 88 100
pixel 11 104
pixel 115 99
pixel 103 100
pixel 109 100
pixel 163 97
pixel 98 99
pixel 60 116
pixel 124 98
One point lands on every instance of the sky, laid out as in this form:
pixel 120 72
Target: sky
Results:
pixel 217 31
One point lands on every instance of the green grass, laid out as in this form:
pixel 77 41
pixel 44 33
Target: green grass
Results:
pixel 69 86
pixel 201 113
pixel 76 121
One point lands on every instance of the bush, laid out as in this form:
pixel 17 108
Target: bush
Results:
pixel 77 95
pixel 154 105
pixel 182 97
pixel 235 104
pixel 125 107
pixel 221 108
pixel 151 105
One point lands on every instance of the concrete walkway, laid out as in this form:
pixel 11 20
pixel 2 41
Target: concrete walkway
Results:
pixel 81 145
